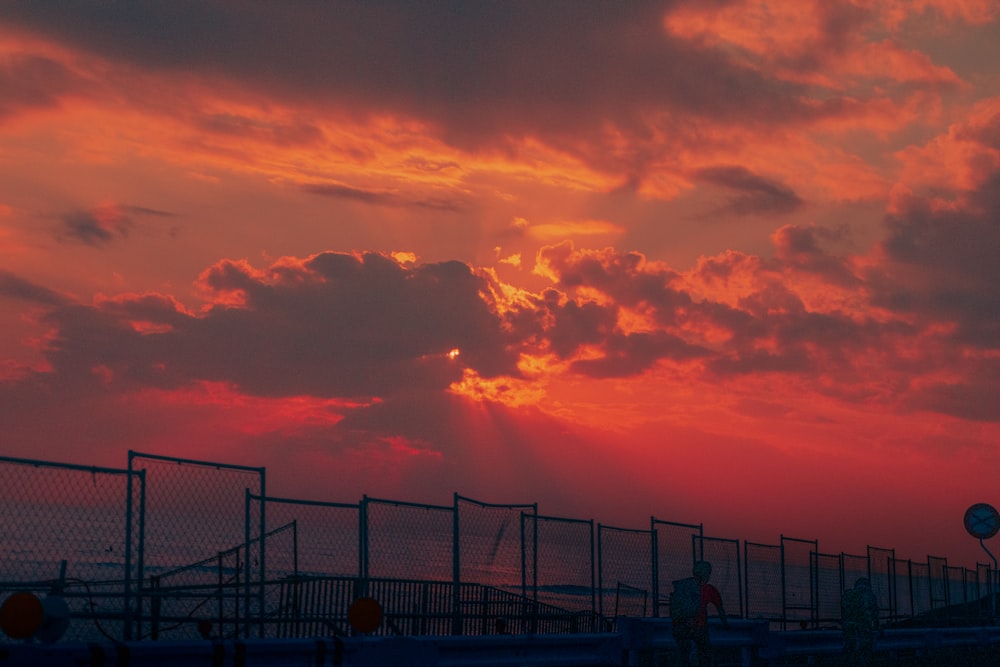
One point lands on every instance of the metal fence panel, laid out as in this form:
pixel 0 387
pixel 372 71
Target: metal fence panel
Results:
pixel 798 579
pixel 55 513
pixel 727 575
pixel 192 510
pixel 674 555
pixel 903 588
pixel 328 537
pixel 762 563
pixel 408 540
pixel 880 562
pixel 920 584
pixel 559 559
pixel 829 587
pixel 936 570
pixel 625 572
pixel 490 548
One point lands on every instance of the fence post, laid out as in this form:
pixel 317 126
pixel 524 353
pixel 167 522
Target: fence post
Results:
pixel 656 567
pixel 263 550
pixel 127 621
pixel 246 562
pixel 154 608
pixel 456 571
pixel 142 547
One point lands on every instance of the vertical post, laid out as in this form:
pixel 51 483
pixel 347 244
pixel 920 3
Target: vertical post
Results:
pixel 127 624
pixel 154 608
pixel 246 563
pixel 524 560
pixel 593 590
pixel 655 555
pixel 295 548
pixel 222 595
pixel 263 551
pixel 142 550
pixel 534 553
pixel 993 596
pixel 784 593
pixel 456 572
pixel 600 575
pixel 363 557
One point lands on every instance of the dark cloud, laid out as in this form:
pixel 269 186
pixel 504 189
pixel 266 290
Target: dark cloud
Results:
pixel 804 248
pixel 943 262
pixel 280 134
pixel 15 287
pixel 756 195
pixel 332 325
pixel 88 228
pixel 104 224
pixel 479 74
pixel 31 81
pixel 380 198
pixel 632 354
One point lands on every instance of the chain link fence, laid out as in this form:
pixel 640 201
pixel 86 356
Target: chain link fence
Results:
pixel 625 572
pixel 676 547
pixel 63 529
pixel 183 549
pixel 559 561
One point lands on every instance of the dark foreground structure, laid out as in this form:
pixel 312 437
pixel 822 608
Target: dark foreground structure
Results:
pixel 638 643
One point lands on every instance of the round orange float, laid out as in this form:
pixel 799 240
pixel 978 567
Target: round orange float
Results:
pixel 365 615
pixel 21 615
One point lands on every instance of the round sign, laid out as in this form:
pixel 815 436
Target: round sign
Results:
pixel 982 521
pixel 365 615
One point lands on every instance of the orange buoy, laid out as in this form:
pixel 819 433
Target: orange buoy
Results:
pixel 21 615
pixel 365 615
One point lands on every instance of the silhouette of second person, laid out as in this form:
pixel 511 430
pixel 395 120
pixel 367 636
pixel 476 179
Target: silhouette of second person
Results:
pixel 689 613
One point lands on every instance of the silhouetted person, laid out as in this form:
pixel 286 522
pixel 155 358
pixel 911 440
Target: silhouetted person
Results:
pixel 859 618
pixel 689 613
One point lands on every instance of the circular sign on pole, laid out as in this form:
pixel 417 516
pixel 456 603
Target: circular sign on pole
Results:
pixel 982 521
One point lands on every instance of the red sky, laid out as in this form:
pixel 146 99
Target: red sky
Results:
pixel 731 262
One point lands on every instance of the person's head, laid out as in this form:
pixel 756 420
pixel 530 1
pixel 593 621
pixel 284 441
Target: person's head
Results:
pixel 862 582
pixel 702 571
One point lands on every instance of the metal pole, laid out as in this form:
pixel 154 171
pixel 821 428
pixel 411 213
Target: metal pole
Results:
pixel 996 578
pixel 127 627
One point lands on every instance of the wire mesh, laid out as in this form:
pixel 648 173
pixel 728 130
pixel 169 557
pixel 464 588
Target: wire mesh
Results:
pixel 936 567
pixel 828 587
pixel 192 509
pixel 727 577
pixel 763 580
pixel 624 558
pixel 799 579
pixel 903 588
pixel 675 554
pixel 328 537
pixel 490 550
pixel 55 513
pixel 920 583
pixel 409 540
pixel 559 559
pixel 880 575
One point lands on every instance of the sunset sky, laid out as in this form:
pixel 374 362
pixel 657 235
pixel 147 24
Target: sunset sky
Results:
pixel 728 261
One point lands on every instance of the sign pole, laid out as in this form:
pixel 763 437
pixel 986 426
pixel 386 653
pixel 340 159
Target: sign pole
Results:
pixel 983 521
pixel 993 579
